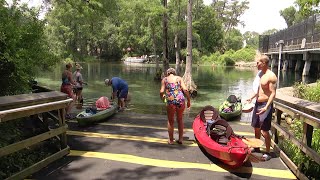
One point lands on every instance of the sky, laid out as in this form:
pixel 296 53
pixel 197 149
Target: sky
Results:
pixel 263 15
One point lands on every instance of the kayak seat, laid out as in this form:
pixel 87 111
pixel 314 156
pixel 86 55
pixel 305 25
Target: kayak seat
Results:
pixel 220 131
pixel 232 99
pixel 209 113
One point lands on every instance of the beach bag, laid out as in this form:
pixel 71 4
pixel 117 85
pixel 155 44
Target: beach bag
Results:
pixel 102 103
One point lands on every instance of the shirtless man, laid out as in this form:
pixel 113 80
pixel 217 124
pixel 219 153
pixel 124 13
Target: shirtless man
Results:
pixel 262 113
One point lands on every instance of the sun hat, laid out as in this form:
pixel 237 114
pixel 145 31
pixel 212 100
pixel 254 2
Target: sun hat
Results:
pixel 78 66
pixel 107 81
pixel 171 71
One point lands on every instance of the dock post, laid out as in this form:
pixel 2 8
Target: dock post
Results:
pixel 307 64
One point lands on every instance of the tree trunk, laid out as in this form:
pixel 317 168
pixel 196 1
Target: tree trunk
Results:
pixel 187 78
pixel 165 38
pixel 177 43
pixel 177 48
pixel 154 45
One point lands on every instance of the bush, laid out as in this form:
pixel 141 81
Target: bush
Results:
pixel 244 54
pixel 24 49
pixel 305 91
pixel 195 55
pixel 307 165
pixel 229 57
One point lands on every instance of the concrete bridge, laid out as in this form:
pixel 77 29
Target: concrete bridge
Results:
pixel 297 46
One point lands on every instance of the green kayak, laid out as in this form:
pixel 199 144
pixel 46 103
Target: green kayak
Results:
pixel 230 108
pixel 86 118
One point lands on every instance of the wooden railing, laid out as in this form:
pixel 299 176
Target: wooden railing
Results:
pixel 46 104
pixel 309 114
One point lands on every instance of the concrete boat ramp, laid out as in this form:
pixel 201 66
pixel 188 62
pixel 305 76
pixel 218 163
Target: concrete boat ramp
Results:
pixel 134 146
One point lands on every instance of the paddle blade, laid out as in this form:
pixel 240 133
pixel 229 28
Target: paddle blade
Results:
pixel 253 142
pixel 248 107
pixel 253 158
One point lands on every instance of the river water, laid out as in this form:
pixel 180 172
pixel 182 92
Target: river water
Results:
pixel 215 84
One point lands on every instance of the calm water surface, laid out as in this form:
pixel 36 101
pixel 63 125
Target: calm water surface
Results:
pixel 214 84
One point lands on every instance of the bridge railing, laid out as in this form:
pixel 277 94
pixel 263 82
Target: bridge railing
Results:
pixel 14 107
pixel 309 114
pixel 303 35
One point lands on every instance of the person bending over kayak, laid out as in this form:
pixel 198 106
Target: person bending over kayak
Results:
pixel 120 89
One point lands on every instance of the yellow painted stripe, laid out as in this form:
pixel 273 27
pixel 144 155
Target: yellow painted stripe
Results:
pixel 127 137
pixel 276 173
pixel 133 138
pixel 161 128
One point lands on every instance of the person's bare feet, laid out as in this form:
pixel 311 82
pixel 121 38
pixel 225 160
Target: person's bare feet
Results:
pixel 170 142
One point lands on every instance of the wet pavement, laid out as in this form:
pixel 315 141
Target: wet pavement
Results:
pixel 134 146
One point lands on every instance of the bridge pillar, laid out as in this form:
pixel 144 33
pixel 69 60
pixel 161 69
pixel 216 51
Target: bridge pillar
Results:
pixel 307 64
pixel 273 63
pixel 285 65
pixel 298 65
pixel 291 62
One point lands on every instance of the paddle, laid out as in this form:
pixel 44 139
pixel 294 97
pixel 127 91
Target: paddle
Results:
pixel 247 107
pixel 253 142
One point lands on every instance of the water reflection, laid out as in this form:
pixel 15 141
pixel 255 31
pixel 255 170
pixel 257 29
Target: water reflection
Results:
pixel 214 84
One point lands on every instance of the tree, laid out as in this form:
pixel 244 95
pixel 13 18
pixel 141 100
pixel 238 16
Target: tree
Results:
pixel 308 7
pixel 229 11
pixel 305 9
pixel 270 31
pixel 187 78
pixel 252 39
pixel 288 15
pixel 233 40
pixel 178 26
pixel 165 37
pixel 209 29
pixel 24 49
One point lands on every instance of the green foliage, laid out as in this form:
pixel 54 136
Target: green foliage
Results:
pixel 288 15
pixel 210 60
pixel 308 7
pixel 305 9
pixel 244 54
pixel 305 91
pixel 229 12
pixel 309 167
pixel 252 39
pixel 209 30
pixel 226 58
pixel 270 31
pixel 229 57
pixel 233 40
pixel 24 50
pixel 195 54
pixel 15 131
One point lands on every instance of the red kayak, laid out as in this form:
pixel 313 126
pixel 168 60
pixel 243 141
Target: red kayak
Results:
pixel 219 140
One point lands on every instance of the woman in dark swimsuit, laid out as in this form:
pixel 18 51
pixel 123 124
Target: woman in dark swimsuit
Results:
pixel 67 87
